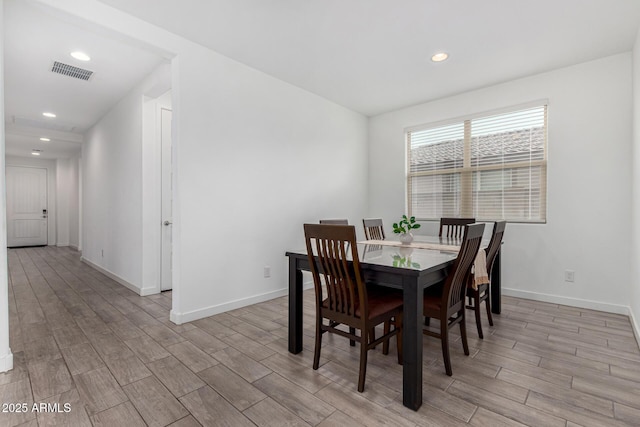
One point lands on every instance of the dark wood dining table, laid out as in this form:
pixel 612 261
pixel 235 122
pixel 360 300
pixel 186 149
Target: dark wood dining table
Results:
pixel 410 269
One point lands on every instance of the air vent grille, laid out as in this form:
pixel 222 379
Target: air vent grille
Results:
pixel 71 71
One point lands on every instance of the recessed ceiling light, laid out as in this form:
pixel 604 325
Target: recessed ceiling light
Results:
pixel 50 115
pixel 439 57
pixel 36 152
pixel 45 139
pixel 81 56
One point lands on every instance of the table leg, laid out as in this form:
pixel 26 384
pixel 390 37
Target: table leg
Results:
pixel 496 285
pixel 412 344
pixel 295 307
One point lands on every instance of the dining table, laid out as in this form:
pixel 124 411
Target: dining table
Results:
pixel 409 267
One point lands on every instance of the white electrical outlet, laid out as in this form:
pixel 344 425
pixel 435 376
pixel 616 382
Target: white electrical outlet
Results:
pixel 569 275
pixel 267 271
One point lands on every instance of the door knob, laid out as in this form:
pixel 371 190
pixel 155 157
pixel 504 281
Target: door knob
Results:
pixel 167 223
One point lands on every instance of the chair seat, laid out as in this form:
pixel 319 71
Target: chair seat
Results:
pixel 379 303
pixel 432 305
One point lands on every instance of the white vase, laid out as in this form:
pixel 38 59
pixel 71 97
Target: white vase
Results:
pixel 406 238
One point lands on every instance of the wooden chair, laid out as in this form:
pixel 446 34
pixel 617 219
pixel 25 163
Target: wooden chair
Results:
pixel 373 229
pixel 347 300
pixel 454 226
pixel 483 293
pixel 449 306
pixel 334 221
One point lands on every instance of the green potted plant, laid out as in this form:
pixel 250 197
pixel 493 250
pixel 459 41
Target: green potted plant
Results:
pixel 404 227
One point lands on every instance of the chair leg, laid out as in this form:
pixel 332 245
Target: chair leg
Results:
pixel 444 337
pixel 399 337
pixel 316 352
pixel 363 364
pixel 463 333
pixel 372 335
pixel 385 344
pixel 352 331
pixel 476 309
pixel 488 302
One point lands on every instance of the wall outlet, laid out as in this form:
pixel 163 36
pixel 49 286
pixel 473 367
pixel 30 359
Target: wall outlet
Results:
pixel 267 271
pixel 569 275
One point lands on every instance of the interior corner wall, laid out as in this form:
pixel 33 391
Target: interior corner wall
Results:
pixel 588 180
pixel 6 357
pixel 52 186
pixel 112 192
pixel 635 196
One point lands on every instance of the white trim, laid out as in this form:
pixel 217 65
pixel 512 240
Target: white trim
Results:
pixel 142 292
pixel 62 245
pixel 635 326
pixel 478 115
pixel 180 318
pixel 573 302
pixel 6 362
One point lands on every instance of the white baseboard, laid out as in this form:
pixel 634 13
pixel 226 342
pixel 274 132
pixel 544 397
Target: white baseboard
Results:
pixel 635 326
pixel 573 302
pixel 180 318
pixel 142 292
pixel 62 245
pixel 6 362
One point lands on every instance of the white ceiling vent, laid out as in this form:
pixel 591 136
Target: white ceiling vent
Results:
pixel 71 71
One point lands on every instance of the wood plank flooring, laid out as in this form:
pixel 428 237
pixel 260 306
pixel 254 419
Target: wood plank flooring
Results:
pixel 80 338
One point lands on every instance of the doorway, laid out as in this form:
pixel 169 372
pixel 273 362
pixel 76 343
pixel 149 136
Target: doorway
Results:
pixel 167 198
pixel 27 209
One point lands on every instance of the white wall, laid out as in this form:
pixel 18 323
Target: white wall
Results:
pixel 635 197
pixel 6 357
pixel 254 158
pixel 74 202
pixel 589 181
pixel 50 166
pixel 63 184
pixel 112 165
pixel 67 205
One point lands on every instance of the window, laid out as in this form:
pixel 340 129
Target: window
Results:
pixel 492 167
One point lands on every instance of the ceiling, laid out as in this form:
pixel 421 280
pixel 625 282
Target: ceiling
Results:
pixel 371 56
pixel 374 56
pixel 34 39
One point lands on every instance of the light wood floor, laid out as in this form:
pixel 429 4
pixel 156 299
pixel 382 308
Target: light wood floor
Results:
pixel 82 339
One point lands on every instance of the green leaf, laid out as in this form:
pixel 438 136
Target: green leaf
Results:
pixel 416 226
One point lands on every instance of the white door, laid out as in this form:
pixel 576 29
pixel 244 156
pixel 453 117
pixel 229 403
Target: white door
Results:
pixel 165 137
pixel 26 206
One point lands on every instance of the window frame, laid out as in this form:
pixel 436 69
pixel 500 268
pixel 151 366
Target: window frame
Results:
pixel 466 171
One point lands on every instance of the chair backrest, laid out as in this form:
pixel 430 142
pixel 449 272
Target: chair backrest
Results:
pixel 454 226
pixel 456 283
pixel 495 244
pixel 332 245
pixel 334 221
pixel 373 229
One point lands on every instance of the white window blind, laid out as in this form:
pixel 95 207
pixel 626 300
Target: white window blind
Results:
pixel 489 168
